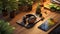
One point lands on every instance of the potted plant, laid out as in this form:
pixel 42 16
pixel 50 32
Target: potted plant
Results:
pixel 3 4
pixel 12 8
pixel 26 5
pixel 38 11
pixel 53 7
pixel 8 7
pixel 5 27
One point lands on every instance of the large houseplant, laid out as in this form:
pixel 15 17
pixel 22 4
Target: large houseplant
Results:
pixel 12 7
pixel 26 5
pixel 3 4
pixel 5 28
pixel 8 6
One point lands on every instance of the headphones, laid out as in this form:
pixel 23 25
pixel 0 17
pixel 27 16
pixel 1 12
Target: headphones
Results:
pixel 30 18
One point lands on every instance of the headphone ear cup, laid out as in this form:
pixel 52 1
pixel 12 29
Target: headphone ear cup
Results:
pixel 32 19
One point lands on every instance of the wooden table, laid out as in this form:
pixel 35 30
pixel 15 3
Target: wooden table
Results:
pixel 21 30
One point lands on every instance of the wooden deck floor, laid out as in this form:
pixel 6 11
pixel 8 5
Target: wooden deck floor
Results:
pixel 21 30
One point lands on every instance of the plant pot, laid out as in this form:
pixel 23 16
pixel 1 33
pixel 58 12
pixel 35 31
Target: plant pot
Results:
pixel 4 12
pixel 12 14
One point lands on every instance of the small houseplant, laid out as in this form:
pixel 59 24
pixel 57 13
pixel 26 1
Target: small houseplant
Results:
pixel 38 11
pixel 54 7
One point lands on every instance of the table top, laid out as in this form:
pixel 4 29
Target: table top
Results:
pixel 35 30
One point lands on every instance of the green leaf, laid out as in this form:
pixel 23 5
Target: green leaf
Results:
pixel 6 28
